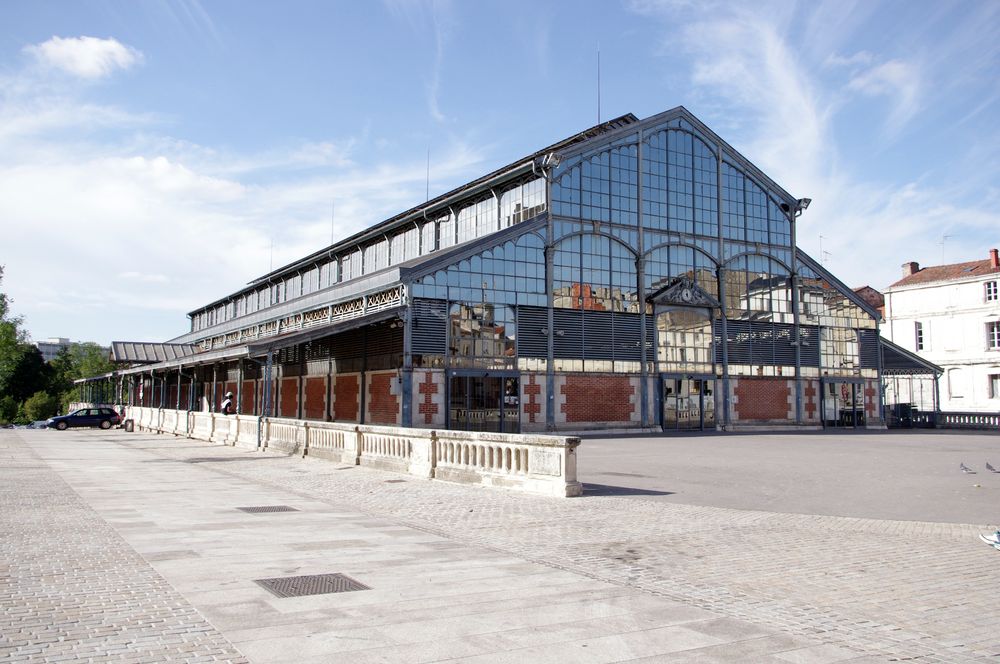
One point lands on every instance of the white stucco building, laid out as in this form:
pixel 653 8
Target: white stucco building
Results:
pixel 950 315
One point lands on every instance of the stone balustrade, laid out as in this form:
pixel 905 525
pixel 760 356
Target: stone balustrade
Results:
pixel 536 464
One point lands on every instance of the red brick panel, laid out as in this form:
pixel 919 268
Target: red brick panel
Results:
pixel 383 405
pixel 809 391
pixel 533 399
pixel 314 392
pixel 246 397
pixel 428 388
pixel 346 397
pixel 761 399
pixel 288 396
pixel 185 399
pixel 598 398
pixel 871 403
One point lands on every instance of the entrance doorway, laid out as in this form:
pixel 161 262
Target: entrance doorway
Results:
pixel 484 402
pixel 688 403
pixel 843 403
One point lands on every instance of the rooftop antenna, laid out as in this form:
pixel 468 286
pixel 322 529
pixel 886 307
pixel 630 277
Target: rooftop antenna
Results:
pixel 598 82
pixel 943 239
pixel 271 266
pixel 427 192
pixel 821 252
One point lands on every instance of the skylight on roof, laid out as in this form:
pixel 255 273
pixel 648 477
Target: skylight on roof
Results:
pixel 970 269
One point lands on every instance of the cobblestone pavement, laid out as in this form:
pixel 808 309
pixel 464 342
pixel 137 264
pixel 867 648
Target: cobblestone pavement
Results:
pixel 72 589
pixel 876 589
pixel 888 590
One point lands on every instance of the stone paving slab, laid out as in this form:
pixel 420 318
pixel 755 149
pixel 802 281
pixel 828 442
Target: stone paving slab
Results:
pixel 466 572
pixel 433 597
pixel 72 589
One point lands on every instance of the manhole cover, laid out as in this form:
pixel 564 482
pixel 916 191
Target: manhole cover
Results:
pixel 257 509
pixel 315 584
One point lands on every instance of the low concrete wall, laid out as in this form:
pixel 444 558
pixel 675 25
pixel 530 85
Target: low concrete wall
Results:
pixel 537 464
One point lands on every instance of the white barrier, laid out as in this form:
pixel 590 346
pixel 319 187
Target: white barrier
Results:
pixel 536 464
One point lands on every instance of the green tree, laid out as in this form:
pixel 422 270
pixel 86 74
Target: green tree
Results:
pixel 41 406
pixel 25 377
pixel 8 409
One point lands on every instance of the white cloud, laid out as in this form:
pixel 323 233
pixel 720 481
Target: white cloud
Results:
pixel 898 80
pixel 93 227
pixel 857 59
pixel 433 17
pixel 86 57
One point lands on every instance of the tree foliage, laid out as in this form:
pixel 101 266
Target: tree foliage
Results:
pixel 41 406
pixel 29 387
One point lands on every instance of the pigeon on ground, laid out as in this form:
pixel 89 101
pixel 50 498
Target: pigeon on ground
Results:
pixel 991 468
pixel 966 469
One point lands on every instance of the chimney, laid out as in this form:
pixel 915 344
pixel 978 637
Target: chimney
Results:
pixel 910 268
pixel 994 259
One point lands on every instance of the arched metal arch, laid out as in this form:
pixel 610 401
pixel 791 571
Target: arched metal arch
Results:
pixel 685 245
pixel 756 253
pixel 574 234
pixel 646 135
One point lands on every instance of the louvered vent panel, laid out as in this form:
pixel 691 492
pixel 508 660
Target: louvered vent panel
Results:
pixel 868 348
pixel 531 342
pixel 627 344
pixel 384 340
pixel 809 344
pixel 348 344
pixel 430 326
pixel 598 335
pixel 568 324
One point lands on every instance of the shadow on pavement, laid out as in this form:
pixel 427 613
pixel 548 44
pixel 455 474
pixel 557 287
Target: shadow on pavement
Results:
pixel 608 490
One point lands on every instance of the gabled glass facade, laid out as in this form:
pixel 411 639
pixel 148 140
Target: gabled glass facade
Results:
pixel 640 274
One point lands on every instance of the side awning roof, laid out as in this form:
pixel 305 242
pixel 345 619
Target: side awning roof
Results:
pixel 260 347
pixel 140 352
pixel 897 361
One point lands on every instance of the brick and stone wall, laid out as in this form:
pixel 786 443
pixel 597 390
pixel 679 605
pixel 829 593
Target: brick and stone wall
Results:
pixel 346 393
pixel 872 415
pixel 811 401
pixel 314 393
pixel 533 408
pixel 382 402
pixel 597 400
pixel 762 400
pixel 428 398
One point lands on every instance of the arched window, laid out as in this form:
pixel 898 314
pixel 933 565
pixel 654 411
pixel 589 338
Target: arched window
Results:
pixel 594 273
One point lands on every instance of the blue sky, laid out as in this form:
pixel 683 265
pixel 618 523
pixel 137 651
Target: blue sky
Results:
pixel 152 152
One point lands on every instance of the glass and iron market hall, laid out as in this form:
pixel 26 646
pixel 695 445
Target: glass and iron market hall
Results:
pixel 639 274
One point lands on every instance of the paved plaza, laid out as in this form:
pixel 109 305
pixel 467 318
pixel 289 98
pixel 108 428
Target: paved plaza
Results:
pixel 759 548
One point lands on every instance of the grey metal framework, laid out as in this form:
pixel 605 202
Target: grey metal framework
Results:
pixel 650 250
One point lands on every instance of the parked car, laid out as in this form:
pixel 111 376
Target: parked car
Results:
pixel 85 417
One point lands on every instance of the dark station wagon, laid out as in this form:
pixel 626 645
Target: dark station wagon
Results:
pixel 86 417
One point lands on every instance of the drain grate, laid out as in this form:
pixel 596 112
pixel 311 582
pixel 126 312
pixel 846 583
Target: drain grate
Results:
pixel 315 584
pixel 394 481
pixel 258 509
